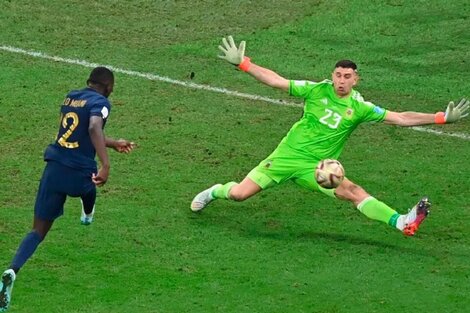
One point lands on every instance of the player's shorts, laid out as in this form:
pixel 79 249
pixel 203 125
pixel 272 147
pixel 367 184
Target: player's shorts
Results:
pixel 278 169
pixel 58 182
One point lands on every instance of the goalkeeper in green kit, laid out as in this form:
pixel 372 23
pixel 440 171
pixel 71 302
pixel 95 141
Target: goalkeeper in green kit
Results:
pixel 332 111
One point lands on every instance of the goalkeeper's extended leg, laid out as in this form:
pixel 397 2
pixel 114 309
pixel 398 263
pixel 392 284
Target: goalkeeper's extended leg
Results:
pixel 377 210
pixel 409 223
pixel 230 191
pixel 202 199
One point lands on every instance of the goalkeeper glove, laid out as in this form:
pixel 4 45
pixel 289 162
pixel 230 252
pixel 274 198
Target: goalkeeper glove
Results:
pixel 453 113
pixel 234 55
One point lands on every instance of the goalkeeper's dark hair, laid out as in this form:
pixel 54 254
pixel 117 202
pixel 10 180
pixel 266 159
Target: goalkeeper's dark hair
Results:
pixel 101 76
pixel 346 64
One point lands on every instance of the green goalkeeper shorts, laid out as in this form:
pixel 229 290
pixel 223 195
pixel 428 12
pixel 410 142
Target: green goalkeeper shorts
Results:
pixel 276 170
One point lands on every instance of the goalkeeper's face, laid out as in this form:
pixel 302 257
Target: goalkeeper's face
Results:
pixel 344 79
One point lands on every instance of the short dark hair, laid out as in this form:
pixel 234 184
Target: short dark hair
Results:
pixel 101 76
pixel 346 64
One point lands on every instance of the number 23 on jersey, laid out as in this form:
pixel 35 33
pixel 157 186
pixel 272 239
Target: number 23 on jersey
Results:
pixel 331 119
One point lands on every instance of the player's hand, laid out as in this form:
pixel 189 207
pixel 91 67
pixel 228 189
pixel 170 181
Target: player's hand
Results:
pixel 101 178
pixel 230 51
pixel 455 113
pixel 124 146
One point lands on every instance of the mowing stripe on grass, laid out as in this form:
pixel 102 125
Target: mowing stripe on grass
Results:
pixel 150 76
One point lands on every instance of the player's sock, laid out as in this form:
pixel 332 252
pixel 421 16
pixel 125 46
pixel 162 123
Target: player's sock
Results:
pixel 88 201
pixel 377 210
pixel 223 191
pixel 26 249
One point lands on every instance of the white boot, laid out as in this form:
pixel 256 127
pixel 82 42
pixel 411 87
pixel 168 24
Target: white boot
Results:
pixel 203 199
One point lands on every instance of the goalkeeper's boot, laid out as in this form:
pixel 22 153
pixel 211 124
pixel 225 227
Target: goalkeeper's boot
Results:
pixel 87 219
pixel 203 199
pixel 416 216
pixel 6 286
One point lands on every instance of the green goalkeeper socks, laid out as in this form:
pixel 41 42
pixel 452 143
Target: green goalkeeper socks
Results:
pixel 223 191
pixel 379 211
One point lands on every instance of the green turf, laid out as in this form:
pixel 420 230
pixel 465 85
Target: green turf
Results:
pixel 286 250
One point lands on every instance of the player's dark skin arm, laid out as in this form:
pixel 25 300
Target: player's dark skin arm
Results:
pixel 120 145
pixel 110 143
pixel 95 129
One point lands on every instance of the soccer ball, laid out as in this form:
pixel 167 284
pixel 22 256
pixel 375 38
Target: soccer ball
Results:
pixel 329 173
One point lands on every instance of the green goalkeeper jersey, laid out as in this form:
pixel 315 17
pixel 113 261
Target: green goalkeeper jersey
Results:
pixel 328 120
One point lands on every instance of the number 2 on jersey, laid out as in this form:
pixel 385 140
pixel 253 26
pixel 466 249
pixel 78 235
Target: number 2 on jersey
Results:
pixel 71 127
pixel 331 119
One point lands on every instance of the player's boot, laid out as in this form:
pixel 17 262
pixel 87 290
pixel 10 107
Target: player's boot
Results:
pixel 416 216
pixel 6 286
pixel 87 219
pixel 203 199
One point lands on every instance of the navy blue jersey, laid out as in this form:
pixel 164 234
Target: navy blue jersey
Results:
pixel 73 146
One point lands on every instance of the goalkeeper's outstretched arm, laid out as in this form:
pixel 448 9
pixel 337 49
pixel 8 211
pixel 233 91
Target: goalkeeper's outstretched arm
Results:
pixel 236 56
pixel 452 114
pixel 268 77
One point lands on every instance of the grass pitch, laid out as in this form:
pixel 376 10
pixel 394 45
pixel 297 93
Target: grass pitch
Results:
pixel 286 250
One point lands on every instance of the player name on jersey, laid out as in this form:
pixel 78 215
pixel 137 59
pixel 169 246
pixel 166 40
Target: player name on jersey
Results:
pixel 74 103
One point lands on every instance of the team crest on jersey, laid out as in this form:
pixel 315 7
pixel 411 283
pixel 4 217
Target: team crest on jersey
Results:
pixel 349 113
pixel 324 101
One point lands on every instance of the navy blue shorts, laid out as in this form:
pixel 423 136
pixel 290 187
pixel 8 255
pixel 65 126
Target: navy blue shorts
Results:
pixel 59 181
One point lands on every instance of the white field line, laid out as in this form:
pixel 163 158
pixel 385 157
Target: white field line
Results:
pixel 440 133
pixel 150 76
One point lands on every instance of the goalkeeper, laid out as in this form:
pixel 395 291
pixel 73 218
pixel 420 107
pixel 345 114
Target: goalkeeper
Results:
pixel 332 111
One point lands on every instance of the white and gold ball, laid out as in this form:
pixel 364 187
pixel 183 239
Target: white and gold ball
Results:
pixel 329 173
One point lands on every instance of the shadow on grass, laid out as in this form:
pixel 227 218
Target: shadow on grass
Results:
pixel 343 238
pixel 392 242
